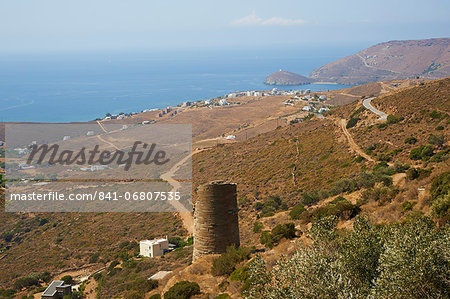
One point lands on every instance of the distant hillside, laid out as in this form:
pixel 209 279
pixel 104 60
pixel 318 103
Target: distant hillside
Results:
pixel 287 78
pixel 392 60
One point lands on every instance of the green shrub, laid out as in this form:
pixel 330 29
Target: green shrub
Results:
pixel 435 114
pixel 266 239
pixel 380 195
pixel 94 258
pixel 339 207
pixel 423 152
pixel 270 239
pixel 439 128
pixel 240 274
pixel 359 159
pixel 177 241
pixel 271 206
pixel 257 227
pixel 143 285
pixel 113 265
pixel 365 180
pixel 27 281
pixel 322 193
pixel 281 231
pixel 296 211
pixel 437 140
pixel 134 294
pixel 412 174
pixel 226 263
pixel 343 185
pixel 392 119
pixel 337 199
pixel 68 279
pixel 402 260
pixel 382 125
pixel 182 290
pixel 414 254
pixel 258 206
pixel 310 198
pixel 223 296
pixel 371 148
pixel 411 140
pixel 385 179
pixel 440 185
pixel 417 173
pixel 352 122
pixel 407 206
pixel 399 167
pixel 156 296
pixel 441 206
pixel 7 293
pixel 45 276
pixel 97 276
pixel 441 156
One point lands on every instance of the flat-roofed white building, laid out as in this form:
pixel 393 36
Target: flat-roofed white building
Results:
pixel 152 248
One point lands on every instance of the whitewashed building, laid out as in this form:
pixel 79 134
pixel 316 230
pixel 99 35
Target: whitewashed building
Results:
pixel 223 102
pixel 322 110
pixel 153 248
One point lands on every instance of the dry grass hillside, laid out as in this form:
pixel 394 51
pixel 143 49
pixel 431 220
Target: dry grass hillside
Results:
pixel 35 243
pixel 428 58
pixel 298 173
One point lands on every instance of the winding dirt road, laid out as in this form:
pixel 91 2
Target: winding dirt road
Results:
pixel 355 147
pixel 186 217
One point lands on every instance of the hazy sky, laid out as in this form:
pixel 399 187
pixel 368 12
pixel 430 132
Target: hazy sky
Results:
pixel 99 25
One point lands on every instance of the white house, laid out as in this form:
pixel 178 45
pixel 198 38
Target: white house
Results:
pixel 322 98
pixel 307 108
pixel 230 137
pixel 223 102
pixel 152 248
pixel 322 110
pixel 208 102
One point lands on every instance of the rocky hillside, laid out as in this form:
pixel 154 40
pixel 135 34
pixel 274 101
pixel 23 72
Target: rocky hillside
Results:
pixel 392 60
pixel 287 78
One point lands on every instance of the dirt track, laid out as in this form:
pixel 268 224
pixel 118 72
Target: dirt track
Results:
pixel 352 142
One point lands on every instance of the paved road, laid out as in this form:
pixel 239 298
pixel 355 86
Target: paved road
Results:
pixel 366 103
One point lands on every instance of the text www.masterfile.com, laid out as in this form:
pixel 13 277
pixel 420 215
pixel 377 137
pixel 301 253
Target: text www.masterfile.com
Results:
pixel 97 195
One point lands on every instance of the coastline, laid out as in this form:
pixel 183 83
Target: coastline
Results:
pixel 180 105
pixel 334 83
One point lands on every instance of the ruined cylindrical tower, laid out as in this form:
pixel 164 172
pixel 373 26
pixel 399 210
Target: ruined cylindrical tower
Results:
pixel 216 223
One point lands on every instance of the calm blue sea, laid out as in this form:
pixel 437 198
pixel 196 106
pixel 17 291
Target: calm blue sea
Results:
pixel 82 87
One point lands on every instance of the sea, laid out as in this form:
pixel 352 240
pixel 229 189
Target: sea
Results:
pixel 72 87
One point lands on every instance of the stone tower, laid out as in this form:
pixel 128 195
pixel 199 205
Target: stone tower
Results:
pixel 216 223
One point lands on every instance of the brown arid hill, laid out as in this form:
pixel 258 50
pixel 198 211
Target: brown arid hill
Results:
pixel 286 78
pixel 421 111
pixel 429 58
pixel 288 162
pixel 269 165
pixel 57 242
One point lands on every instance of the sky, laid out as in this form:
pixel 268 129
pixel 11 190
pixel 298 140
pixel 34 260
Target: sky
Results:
pixel 28 26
